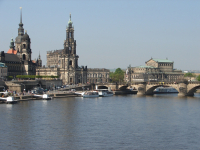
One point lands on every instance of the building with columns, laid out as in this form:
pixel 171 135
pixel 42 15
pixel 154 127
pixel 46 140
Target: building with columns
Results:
pixel 154 70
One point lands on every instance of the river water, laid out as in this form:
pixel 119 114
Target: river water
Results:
pixel 129 122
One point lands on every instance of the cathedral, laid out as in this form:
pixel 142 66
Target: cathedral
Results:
pixel 64 63
pixel 18 58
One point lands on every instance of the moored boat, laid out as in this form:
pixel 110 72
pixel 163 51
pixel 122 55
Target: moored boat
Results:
pixel 90 94
pixel 104 93
pixel 164 90
pixel 46 97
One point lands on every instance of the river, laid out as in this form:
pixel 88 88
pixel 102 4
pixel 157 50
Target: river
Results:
pixel 129 122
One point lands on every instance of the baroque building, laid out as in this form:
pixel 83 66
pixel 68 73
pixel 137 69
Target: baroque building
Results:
pixel 18 58
pixel 64 62
pixel 154 70
pixel 100 75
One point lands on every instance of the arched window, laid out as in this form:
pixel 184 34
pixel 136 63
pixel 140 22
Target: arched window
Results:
pixel 24 57
pixel 70 62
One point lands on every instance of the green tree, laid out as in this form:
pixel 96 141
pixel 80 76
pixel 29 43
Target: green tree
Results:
pixel 117 76
pixel 189 74
pixel 198 77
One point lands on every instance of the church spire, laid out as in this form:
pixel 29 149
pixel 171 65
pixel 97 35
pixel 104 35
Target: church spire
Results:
pixel 21 29
pixel 39 55
pixel 70 22
pixel 21 15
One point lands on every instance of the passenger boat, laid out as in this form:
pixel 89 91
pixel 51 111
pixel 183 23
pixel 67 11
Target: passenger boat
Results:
pixel 164 90
pixel 89 94
pixel 104 93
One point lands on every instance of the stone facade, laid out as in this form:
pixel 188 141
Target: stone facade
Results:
pixel 65 61
pixel 154 70
pixel 18 58
pixel 98 75
pixel 53 58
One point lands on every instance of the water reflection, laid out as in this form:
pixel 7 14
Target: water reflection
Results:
pixel 118 122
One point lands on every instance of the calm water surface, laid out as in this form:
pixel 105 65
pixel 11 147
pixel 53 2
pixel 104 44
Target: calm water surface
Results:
pixel 120 122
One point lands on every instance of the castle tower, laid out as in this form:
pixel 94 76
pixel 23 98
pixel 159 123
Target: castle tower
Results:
pixel 23 42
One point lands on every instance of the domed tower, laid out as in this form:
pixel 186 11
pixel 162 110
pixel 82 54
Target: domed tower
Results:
pixel 12 48
pixel 26 50
pixel 23 42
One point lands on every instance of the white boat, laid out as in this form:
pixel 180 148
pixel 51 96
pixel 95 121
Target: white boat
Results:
pixel 7 99
pixel 46 97
pixel 164 90
pixel 79 93
pixel 89 94
pixel 104 92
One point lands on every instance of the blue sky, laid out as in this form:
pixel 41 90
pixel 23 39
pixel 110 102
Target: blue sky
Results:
pixel 109 34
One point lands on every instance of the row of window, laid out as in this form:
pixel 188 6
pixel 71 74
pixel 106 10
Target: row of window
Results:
pixel 165 64
pixel 10 68
pixel 156 76
pixel 97 75
pixel 96 80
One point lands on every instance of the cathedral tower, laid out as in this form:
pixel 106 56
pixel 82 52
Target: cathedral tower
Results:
pixel 70 47
pixel 72 73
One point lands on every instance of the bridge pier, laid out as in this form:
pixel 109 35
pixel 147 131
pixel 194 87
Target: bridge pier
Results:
pixel 141 89
pixel 182 89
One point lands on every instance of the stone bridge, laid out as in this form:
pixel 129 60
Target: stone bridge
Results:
pixel 147 88
pixel 184 89
pixel 112 86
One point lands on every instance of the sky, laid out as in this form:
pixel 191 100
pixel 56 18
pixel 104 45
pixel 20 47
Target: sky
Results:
pixel 109 33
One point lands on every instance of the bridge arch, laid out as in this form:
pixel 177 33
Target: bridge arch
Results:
pixel 192 90
pixel 150 90
pixel 124 87
pixel 102 87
